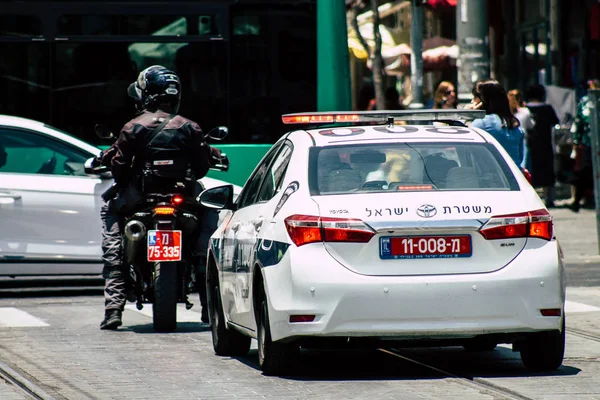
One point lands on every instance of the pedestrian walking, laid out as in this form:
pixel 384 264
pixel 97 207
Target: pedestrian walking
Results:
pixel 489 95
pixel 540 142
pixel 583 177
pixel 520 110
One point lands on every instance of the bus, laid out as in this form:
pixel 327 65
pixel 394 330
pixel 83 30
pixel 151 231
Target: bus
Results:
pixel 242 63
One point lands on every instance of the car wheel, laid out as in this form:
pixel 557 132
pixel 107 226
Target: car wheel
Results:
pixel 274 358
pixel 226 342
pixel 480 345
pixel 544 351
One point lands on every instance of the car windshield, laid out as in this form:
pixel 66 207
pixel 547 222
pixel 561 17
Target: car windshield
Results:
pixel 409 167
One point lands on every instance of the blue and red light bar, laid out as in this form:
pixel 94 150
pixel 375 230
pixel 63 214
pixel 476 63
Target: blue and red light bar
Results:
pixel 383 116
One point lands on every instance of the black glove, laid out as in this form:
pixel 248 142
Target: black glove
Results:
pixel 110 193
pixel 97 161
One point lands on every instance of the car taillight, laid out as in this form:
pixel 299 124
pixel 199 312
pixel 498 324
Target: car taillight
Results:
pixel 536 223
pixel 164 210
pixel 304 229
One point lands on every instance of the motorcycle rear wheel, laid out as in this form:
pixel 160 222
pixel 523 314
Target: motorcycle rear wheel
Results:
pixel 164 309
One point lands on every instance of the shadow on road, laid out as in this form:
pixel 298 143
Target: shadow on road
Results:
pixel 182 327
pixel 341 365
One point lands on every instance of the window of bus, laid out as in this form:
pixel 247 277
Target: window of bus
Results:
pixel 273 68
pixel 91 77
pixel 20 25
pixel 90 81
pixel 138 25
pixel 24 79
pixel 24 71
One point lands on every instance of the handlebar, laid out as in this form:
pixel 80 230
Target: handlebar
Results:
pixel 92 166
pixel 221 164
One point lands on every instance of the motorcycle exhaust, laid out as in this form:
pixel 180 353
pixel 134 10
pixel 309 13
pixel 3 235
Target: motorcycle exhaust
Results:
pixel 135 232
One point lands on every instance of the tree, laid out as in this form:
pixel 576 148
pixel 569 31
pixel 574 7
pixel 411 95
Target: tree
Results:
pixel 355 7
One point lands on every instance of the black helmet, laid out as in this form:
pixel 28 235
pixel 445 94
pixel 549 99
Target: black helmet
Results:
pixel 154 86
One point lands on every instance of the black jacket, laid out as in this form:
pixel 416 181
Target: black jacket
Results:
pixel 180 136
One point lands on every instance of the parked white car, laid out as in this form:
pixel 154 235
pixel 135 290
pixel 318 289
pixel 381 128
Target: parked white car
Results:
pixel 374 233
pixel 49 208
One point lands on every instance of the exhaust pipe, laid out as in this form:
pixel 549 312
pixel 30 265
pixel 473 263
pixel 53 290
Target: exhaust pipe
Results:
pixel 135 230
pixel 135 233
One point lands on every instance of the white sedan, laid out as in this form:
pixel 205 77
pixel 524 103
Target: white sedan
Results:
pixel 377 233
pixel 49 208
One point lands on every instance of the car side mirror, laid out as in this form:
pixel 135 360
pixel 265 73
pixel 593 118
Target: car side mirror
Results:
pixel 103 131
pixel 218 198
pixel 218 133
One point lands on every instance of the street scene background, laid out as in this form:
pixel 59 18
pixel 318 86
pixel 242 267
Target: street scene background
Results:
pixel 242 65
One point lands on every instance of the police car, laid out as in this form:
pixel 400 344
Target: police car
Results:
pixel 380 228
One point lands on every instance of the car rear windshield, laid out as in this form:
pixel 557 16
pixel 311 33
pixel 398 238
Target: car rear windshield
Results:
pixel 408 167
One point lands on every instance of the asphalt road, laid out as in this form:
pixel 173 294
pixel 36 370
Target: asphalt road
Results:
pixel 52 346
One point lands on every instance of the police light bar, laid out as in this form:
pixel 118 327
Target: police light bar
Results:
pixel 383 116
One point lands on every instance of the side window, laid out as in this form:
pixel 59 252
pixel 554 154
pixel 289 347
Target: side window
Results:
pixel 274 176
pixel 251 188
pixel 31 153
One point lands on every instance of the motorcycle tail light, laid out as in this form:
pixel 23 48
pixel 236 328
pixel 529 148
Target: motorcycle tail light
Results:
pixel 164 210
pixel 176 200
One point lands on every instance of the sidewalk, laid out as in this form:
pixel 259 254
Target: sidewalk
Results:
pixel 577 235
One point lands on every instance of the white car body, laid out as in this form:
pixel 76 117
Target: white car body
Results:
pixel 350 291
pixel 50 223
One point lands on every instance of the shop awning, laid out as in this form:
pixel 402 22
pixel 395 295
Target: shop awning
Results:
pixel 438 53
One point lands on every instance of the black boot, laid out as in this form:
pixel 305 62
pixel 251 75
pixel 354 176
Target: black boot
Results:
pixel 112 319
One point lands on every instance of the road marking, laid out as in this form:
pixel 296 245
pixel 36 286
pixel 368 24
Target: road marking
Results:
pixel 183 315
pixel 11 317
pixel 573 307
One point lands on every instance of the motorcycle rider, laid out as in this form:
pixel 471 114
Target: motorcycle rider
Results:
pixel 157 129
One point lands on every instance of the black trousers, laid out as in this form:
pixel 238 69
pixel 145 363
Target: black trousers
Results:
pixel 114 270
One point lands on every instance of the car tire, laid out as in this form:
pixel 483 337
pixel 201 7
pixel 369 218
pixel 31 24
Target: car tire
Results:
pixel 164 309
pixel 226 342
pixel 544 351
pixel 476 345
pixel 274 358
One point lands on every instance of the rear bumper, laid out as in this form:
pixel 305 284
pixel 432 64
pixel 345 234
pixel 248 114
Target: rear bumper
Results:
pixel 309 282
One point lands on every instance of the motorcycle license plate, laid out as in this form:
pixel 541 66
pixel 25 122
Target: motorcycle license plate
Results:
pixel 164 246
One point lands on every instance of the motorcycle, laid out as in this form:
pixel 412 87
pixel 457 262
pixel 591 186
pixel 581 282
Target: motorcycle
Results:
pixel 161 269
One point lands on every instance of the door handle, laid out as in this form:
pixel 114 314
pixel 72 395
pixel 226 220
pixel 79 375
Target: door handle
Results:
pixel 9 195
pixel 235 226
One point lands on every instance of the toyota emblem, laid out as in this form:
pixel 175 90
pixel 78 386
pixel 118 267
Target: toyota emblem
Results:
pixel 426 211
